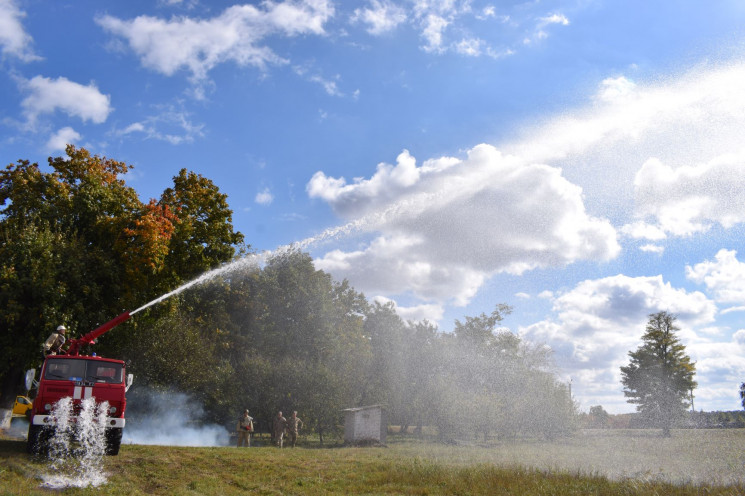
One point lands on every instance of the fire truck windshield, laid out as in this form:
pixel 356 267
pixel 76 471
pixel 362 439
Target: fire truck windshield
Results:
pixel 66 369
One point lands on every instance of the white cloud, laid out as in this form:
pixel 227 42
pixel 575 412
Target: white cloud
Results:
pixel 48 95
pixel 432 32
pixel 416 313
pixel 599 321
pixel 693 126
pixel 724 276
pixel 329 85
pixel 14 40
pixel 690 199
pixel 264 197
pixel 642 230
pixel 539 32
pixel 380 17
pixel 555 19
pixel 649 248
pixel 170 124
pixel 487 12
pixel 616 89
pixel 62 138
pixel 237 35
pixel 469 46
pixel 448 225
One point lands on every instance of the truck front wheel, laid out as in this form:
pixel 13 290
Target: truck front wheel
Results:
pixel 38 439
pixel 113 441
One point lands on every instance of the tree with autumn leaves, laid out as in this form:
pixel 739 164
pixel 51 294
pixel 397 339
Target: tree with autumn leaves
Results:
pixel 79 247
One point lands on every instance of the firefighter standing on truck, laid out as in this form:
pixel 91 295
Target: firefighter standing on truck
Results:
pixel 245 428
pixel 53 344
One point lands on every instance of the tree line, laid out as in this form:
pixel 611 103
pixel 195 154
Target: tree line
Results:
pixel 79 247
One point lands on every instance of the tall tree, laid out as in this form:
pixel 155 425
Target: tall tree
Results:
pixel 659 375
pixel 742 394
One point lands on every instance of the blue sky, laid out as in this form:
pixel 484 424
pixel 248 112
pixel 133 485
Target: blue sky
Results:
pixel 582 161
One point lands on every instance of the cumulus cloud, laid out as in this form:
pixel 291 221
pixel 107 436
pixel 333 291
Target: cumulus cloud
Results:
pixel 449 224
pixel 724 276
pixel 237 35
pixel 690 199
pixel 62 138
pixel 380 17
pixel 14 40
pixel 47 95
pixel 599 321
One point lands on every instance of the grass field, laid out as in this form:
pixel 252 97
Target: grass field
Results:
pixel 593 462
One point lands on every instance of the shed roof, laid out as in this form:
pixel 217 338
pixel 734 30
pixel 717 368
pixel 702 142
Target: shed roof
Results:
pixel 360 408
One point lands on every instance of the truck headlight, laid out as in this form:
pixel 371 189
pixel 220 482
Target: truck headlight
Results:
pixel 112 410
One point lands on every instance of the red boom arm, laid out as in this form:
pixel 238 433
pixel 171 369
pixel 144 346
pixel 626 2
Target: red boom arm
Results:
pixel 89 338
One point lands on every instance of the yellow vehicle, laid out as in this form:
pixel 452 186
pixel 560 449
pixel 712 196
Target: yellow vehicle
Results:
pixel 22 406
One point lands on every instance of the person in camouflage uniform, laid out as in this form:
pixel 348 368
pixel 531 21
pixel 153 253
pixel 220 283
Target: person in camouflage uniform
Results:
pixel 278 429
pixel 245 428
pixel 293 425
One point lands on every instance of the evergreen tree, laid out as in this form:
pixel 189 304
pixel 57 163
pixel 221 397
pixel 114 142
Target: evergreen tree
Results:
pixel 660 374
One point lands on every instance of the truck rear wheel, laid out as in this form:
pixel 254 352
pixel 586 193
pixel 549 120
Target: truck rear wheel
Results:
pixel 113 441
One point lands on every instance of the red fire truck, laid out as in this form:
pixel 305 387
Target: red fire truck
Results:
pixel 80 377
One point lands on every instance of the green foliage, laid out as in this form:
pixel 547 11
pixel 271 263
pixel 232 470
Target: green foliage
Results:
pixel 78 247
pixel 660 375
pixel 479 380
pixel 599 418
pixel 204 235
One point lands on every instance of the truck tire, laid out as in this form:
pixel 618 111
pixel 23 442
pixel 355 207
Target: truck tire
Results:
pixel 38 439
pixel 113 441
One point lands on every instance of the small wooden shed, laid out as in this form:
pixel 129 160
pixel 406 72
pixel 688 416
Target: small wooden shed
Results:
pixel 365 424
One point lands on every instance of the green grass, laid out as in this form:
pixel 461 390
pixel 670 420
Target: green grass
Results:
pixel 638 462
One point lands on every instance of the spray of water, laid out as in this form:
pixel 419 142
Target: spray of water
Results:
pixel 254 261
pixel 76 449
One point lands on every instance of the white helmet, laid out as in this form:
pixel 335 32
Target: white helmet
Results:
pixel 61 328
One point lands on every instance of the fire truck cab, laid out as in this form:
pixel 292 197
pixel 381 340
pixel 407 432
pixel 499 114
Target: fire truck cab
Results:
pixel 79 377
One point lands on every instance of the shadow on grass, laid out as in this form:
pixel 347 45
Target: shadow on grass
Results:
pixel 12 447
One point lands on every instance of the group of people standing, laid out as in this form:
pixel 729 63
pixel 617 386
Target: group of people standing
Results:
pixel 281 426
